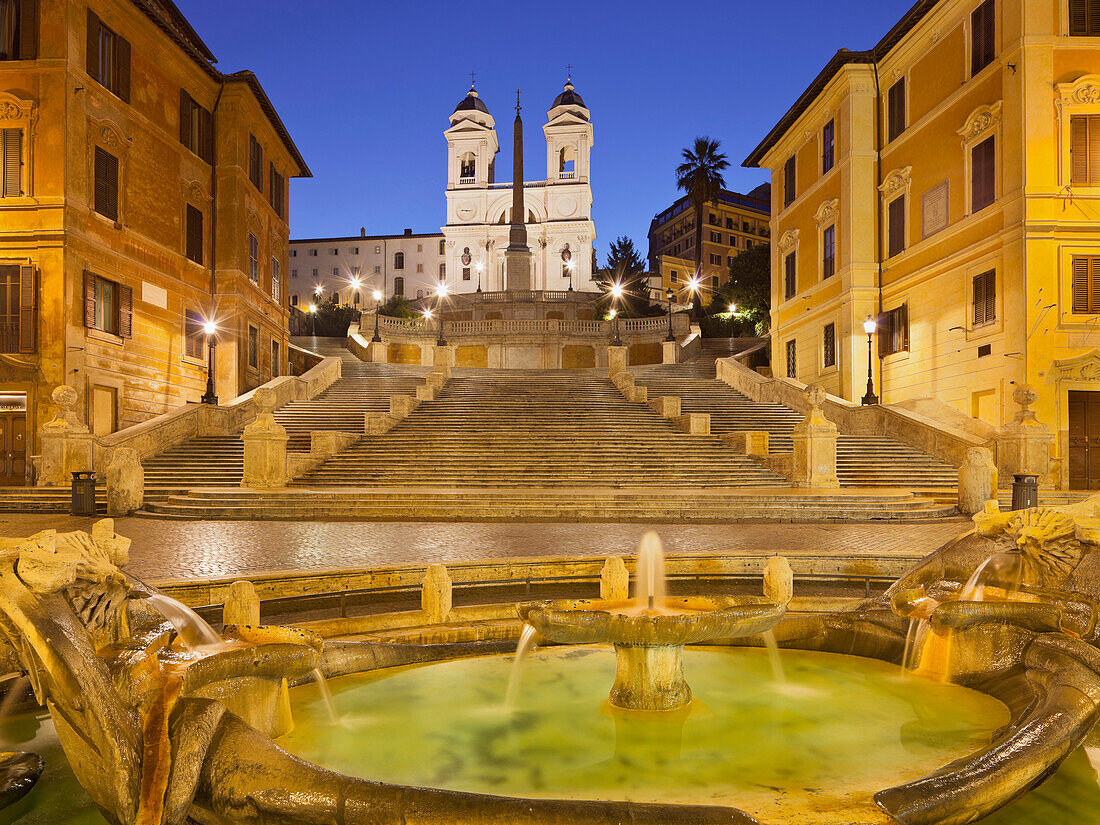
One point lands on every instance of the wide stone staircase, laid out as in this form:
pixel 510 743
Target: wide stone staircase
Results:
pixel 862 460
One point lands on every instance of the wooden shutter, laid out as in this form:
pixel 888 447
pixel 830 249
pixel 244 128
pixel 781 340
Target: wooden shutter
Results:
pixel 122 49
pixel 982 30
pixel 1078 18
pixel 206 135
pixel 106 184
pixel 789 182
pixel 27 314
pixel 125 312
pixel 982 175
pixel 1093 122
pixel 896 109
pixel 93 45
pixel 194 234
pixel 89 299
pixel 186 111
pixel 896 226
pixel 28 29
pixel 1079 150
pixel 11 162
pixel 985 298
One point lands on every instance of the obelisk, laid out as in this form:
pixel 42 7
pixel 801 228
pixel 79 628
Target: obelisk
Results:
pixel 517 257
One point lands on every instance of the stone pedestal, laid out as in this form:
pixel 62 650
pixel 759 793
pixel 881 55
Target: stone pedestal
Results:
pixel 402 405
pixel 242 605
pixel 747 442
pixel 435 594
pixel 649 678
pixel 666 406
pixel 1024 444
pixel 443 360
pixel 614 580
pixel 977 481
pixel 616 360
pixel 436 380
pixel 264 446
pixel 125 482
pixel 815 446
pixel 670 351
pixel 65 445
pixel 377 352
pixel 778 581
pixel 425 393
pixel 377 423
pixel 694 423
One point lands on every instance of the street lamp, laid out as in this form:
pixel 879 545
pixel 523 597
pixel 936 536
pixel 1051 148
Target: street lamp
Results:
pixel 440 294
pixel 694 285
pixel 869 327
pixel 211 329
pixel 569 269
pixel 355 282
pixel 377 300
pixel 480 266
pixel 668 297
pixel 313 320
pixel 616 294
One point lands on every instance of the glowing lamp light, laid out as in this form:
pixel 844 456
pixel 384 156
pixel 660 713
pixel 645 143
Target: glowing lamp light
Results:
pixel 378 295
pixel 355 283
pixel 318 290
pixel 612 313
pixel 733 308
pixel 617 291
pixel 209 327
pixel 480 266
pixel 693 284
pixel 427 315
pixel 313 308
pixel 441 290
pixel 869 325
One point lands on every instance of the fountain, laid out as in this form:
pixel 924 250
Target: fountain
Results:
pixel 649 632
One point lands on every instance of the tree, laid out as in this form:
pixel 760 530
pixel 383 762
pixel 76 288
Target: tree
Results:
pixel 700 176
pixel 750 288
pixel 626 267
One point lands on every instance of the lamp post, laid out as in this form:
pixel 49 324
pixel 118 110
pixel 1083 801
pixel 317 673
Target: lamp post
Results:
pixel 377 300
pixel 440 294
pixel 869 327
pixel 694 286
pixel 480 266
pixel 211 329
pixel 668 297
pixel 355 283
pixel 616 294
pixel 312 320
pixel 569 269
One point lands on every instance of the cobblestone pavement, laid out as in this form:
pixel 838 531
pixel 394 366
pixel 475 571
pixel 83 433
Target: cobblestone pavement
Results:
pixel 204 549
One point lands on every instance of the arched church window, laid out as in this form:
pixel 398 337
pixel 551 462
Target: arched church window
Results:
pixel 398 260
pixel 567 162
pixel 468 167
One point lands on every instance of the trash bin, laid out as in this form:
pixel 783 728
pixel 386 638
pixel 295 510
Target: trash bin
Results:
pixel 83 493
pixel 1025 491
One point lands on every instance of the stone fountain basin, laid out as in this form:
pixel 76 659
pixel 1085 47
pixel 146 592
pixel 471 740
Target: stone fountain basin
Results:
pixel 685 621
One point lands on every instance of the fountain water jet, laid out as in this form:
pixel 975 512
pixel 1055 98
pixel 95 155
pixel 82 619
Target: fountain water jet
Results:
pixel 193 630
pixel 526 644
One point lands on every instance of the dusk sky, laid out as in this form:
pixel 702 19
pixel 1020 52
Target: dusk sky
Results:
pixel 365 89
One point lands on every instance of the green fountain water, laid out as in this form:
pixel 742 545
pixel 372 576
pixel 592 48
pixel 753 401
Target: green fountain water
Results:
pixel 838 729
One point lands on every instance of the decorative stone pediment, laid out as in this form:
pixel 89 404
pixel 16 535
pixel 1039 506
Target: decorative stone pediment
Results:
pixel 788 241
pixel 827 212
pixel 1084 91
pixel 15 108
pixel 1085 367
pixel 981 121
pixel 896 182
pixel 195 192
pixel 109 135
pixel 254 222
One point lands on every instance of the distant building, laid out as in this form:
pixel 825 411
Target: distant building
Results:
pixel 731 225
pixel 407 264
pixel 143 192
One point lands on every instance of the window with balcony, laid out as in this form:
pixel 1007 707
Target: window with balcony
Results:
pixel 108 56
pixel 567 163
pixel 18 29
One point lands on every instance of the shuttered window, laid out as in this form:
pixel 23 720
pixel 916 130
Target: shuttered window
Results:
pixel 253 347
pixel 276 360
pixel 253 258
pixel 982 30
pixel 896 227
pixel 789 182
pixel 196 127
pixel 276 290
pixel 895 119
pixel 108 57
pixel 18 315
pixel 893 326
pixel 1084 18
pixel 193 334
pixel 790 275
pixel 11 163
pixel 108 306
pixel 828 343
pixel 828 249
pixel 985 298
pixel 106 184
pixel 1084 150
pixel 255 163
pixel 18 29
pixel 276 191
pixel 1086 283
pixel 194 234
pixel 828 146
pixel 792 360
pixel 982 175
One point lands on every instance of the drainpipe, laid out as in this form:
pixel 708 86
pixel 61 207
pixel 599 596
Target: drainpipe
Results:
pixel 878 218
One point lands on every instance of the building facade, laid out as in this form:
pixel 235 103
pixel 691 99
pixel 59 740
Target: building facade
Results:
pixel 560 230
pixel 731 225
pixel 352 268
pixel 942 185
pixel 144 193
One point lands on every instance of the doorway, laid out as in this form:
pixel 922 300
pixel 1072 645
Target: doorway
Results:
pixel 1084 440
pixel 13 449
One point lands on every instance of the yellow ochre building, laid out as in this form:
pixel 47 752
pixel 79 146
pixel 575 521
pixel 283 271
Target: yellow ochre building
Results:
pixel 143 192
pixel 947 184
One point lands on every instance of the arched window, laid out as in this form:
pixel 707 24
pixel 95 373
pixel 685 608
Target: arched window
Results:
pixel 419 293
pixel 398 260
pixel 399 285
pixel 467 168
pixel 566 162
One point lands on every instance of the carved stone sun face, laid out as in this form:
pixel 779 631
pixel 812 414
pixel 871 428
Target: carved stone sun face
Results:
pixel 1046 539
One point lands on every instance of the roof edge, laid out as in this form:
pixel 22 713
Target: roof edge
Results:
pixel 249 78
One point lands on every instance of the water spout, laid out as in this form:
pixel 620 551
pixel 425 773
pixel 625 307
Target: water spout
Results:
pixel 776 662
pixel 650 588
pixel 526 644
pixel 326 694
pixel 192 629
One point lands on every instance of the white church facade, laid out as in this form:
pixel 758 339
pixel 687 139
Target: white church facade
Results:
pixel 558 219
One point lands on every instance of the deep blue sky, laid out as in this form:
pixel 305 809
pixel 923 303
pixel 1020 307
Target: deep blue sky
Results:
pixel 365 89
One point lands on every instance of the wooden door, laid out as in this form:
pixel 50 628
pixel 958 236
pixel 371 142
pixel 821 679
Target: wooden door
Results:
pixel 1084 440
pixel 13 449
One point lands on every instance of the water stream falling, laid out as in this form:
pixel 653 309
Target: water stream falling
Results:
pixel 773 657
pixel 649 582
pixel 973 590
pixel 193 630
pixel 526 643
pixel 326 694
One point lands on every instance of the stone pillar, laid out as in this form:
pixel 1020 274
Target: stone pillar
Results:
pixel 778 580
pixel 669 351
pixel 443 359
pixel 614 580
pixel 815 446
pixel 264 446
pixel 616 360
pixel 377 352
pixel 1024 444
pixel 125 482
pixel 977 481
pixel 65 445
pixel 242 605
pixel 435 594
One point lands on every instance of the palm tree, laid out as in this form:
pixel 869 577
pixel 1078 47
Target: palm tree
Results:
pixel 700 176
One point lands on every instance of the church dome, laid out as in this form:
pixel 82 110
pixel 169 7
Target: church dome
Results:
pixel 471 102
pixel 569 97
